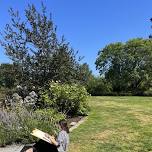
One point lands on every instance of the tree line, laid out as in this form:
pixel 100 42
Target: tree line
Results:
pixel 127 66
pixel 39 56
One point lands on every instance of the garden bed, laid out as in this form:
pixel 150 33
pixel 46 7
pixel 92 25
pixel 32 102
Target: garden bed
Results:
pixel 17 147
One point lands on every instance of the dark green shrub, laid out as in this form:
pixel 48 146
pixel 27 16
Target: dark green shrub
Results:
pixel 99 86
pixel 148 92
pixel 70 99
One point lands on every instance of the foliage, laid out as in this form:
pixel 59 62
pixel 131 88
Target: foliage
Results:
pixel 85 74
pixel 98 86
pixel 148 92
pixel 17 123
pixel 2 96
pixel 127 66
pixel 5 94
pixel 7 75
pixel 68 99
pixel 34 48
pixel 50 112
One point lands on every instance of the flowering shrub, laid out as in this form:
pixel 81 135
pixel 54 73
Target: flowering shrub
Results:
pixel 16 124
pixel 70 99
pixel 60 100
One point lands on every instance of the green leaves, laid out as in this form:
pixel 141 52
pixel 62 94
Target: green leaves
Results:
pixel 17 123
pixel 127 66
pixel 7 75
pixel 33 46
pixel 65 98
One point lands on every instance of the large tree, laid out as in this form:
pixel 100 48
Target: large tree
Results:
pixel 127 66
pixel 33 46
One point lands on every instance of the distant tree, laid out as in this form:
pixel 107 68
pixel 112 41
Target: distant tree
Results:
pixel 127 66
pixel 109 64
pixel 85 74
pixel 98 86
pixel 33 46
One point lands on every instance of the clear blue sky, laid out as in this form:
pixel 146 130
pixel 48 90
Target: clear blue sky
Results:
pixel 89 25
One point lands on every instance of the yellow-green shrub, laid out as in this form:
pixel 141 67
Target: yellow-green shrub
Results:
pixel 69 99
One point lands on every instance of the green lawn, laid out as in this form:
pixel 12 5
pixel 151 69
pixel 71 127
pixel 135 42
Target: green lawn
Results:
pixel 115 124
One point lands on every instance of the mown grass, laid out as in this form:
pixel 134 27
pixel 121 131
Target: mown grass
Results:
pixel 115 124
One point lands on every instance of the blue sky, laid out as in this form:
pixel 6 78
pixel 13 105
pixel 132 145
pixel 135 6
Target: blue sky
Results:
pixel 89 25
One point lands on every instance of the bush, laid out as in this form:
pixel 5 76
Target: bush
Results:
pixel 148 92
pixel 99 86
pixel 5 94
pixel 70 99
pixel 16 124
pixel 50 112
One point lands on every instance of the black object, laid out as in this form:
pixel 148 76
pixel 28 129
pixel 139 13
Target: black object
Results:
pixel 41 146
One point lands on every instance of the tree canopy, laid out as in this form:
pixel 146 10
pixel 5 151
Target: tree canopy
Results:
pixel 128 66
pixel 33 46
